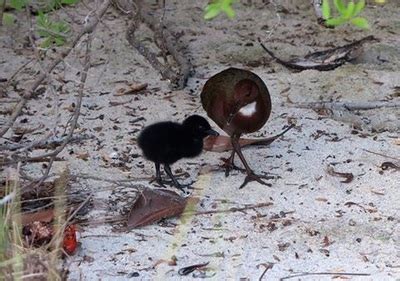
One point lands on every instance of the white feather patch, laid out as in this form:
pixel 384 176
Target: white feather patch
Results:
pixel 248 109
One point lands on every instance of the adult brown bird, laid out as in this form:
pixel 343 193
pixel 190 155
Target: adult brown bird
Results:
pixel 239 102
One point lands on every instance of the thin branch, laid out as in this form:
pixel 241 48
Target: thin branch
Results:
pixel 324 273
pixel 362 105
pixel 267 266
pixel 9 80
pixel 44 143
pixel 380 154
pixel 74 121
pixel 167 42
pixel 230 210
pixel 88 28
pixel 121 182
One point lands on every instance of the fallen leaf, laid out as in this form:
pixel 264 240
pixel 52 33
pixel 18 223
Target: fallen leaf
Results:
pixel 348 177
pixel 43 216
pixel 83 155
pixel 223 143
pixel 132 89
pixel 116 103
pixel 38 233
pixel 189 269
pixel 153 205
pixel 326 242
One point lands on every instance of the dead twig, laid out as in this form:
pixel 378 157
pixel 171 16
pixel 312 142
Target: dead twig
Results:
pixel 28 93
pixel 324 60
pixel 44 143
pixel 267 266
pixel 380 154
pixel 75 117
pixel 324 273
pixel 167 42
pixel 348 177
pixel 9 80
pixel 361 105
pixel 117 182
pixel 230 210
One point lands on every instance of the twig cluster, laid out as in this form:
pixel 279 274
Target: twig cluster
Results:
pixel 17 152
pixel 166 42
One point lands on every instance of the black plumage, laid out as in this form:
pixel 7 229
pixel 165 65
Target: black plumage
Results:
pixel 167 142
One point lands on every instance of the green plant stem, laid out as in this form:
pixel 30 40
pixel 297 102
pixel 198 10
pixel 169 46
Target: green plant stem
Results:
pixel 3 7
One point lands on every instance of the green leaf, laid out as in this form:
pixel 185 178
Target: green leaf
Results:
pixel 326 9
pixel 340 7
pixel 46 43
pixel 360 22
pixel 229 11
pixel 211 11
pixel 18 4
pixel 9 19
pixel 358 8
pixel 217 6
pixel 59 40
pixel 69 2
pixel 335 21
pixel 349 10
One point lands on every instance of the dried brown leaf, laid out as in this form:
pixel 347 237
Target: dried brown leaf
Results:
pixel 132 89
pixel 348 177
pixel 83 155
pixel 153 205
pixel 223 143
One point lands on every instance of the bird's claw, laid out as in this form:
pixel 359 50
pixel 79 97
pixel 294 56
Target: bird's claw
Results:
pixel 229 166
pixel 253 177
pixel 163 183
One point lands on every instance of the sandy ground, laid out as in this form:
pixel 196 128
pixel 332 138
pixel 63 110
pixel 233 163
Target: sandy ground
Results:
pixel 316 223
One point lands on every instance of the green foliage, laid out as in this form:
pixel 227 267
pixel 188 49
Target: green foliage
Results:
pixel 8 19
pixel 18 4
pixel 56 4
pixel 217 6
pixel 347 13
pixel 54 32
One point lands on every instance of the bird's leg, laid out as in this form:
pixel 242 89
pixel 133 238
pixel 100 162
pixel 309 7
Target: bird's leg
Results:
pixel 158 178
pixel 167 169
pixel 158 172
pixel 229 163
pixel 250 174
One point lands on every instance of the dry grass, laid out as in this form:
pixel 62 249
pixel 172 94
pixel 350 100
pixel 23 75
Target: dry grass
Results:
pixel 19 260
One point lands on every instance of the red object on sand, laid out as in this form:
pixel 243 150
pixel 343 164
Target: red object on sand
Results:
pixel 70 242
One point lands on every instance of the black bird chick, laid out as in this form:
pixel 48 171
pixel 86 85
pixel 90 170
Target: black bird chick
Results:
pixel 167 142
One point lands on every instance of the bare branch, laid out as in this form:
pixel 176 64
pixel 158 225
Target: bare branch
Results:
pixel 88 28
pixel 167 42
pixel 324 273
pixel 74 121
pixel 361 105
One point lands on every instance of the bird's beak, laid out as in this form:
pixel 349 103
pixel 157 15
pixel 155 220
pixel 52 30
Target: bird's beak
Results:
pixel 233 113
pixel 212 132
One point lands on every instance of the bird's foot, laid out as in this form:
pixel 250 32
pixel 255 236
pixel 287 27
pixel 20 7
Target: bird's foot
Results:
pixel 163 183
pixel 229 166
pixel 253 177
